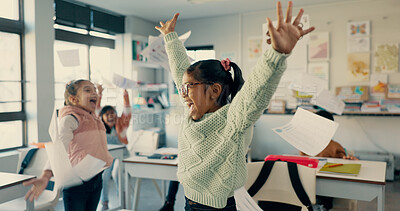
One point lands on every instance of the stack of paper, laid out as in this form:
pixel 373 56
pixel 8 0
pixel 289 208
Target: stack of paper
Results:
pixel 338 168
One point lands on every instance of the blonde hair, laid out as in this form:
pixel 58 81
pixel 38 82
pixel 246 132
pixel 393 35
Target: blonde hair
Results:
pixel 71 89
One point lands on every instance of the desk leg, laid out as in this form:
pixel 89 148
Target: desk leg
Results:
pixel 163 189
pixel 127 190
pixel 381 200
pixel 30 205
pixel 158 189
pixel 120 184
pixel 136 193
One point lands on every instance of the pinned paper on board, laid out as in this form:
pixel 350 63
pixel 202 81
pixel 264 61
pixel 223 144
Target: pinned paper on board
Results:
pixel 358 65
pixel 386 58
pixel 308 132
pixel 69 58
pixel 378 85
pixel 155 52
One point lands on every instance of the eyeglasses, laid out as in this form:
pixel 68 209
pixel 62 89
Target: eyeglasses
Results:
pixel 185 87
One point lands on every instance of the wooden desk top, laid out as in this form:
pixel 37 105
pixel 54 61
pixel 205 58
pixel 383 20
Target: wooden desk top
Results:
pixel 10 179
pixel 145 160
pixel 372 172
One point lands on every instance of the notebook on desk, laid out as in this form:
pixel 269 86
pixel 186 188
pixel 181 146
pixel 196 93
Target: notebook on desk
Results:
pixel 340 168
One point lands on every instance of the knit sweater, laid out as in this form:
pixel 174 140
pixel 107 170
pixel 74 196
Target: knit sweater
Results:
pixel 212 149
pixel 89 137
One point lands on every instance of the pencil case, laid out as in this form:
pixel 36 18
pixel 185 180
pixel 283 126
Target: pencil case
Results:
pixel 305 161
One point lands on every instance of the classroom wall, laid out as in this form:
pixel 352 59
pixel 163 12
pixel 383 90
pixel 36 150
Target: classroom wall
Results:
pixel 229 34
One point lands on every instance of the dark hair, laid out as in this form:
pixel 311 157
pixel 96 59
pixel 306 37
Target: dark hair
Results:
pixel 325 114
pixel 71 89
pixel 212 71
pixel 103 111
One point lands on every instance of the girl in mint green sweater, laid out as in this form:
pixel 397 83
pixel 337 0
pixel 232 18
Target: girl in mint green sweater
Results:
pixel 220 110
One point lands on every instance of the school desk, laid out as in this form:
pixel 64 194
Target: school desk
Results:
pixel 141 167
pixel 369 184
pixel 366 186
pixel 117 151
pixel 11 188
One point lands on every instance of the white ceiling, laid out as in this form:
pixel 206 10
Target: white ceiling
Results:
pixel 161 10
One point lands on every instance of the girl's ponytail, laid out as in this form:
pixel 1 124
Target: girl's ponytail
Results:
pixel 238 80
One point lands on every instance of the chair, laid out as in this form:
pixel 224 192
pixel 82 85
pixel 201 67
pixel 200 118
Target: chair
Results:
pixel 48 199
pixel 278 187
pixel 142 142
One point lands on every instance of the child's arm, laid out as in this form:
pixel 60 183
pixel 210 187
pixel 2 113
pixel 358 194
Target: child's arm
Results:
pixel 178 59
pixel 99 96
pixel 38 185
pixel 254 97
pixel 122 123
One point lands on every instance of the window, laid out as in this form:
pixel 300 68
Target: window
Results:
pixel 201 53
pixel 102 73
pixel 70 63
pixel 12 83
pixel 9 9
pixel 84 47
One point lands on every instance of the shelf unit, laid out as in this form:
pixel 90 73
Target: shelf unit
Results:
pixel 154 82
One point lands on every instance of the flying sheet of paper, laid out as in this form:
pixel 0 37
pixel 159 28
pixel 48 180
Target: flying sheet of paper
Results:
pixel 309 84
pixel 155 52
pixel 88 167
pixel 69 58
pixel 123 82
pixel 329 102
pixel 63 173
pixel 308 132
pixel 244 200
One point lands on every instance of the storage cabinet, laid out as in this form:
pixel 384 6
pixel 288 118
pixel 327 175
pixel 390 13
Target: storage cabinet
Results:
pixel 151 99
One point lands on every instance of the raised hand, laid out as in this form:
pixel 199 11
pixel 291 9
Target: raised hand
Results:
pixel 126 99
pixel 168 26
pixel 285 36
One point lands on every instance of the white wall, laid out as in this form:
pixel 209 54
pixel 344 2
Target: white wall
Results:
pixel 230 34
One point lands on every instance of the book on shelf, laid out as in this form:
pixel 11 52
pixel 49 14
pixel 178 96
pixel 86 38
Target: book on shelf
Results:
pixel 371 106
pixel 352 107
pixel 341 168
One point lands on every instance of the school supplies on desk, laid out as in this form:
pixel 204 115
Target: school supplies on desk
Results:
pixel 162 156
pixel 305 161
pixel 341 168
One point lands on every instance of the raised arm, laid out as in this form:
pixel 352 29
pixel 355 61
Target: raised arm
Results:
pixel 122 123
pixel 257 91
pixel 178 59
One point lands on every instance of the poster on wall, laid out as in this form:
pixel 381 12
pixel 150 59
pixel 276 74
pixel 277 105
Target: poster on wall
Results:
pixel 318 46
pixel 254 48
pixel 377 85
pixel 358 65
pixel 320 69
pixel 358 44
pixel 360 28
pixel 386 58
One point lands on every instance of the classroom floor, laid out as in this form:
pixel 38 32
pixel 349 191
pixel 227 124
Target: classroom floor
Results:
pixel 150 199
